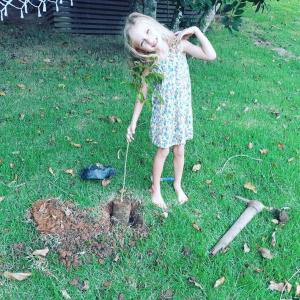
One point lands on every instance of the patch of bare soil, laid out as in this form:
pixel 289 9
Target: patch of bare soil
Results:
pixel 280 51
pixel 91 231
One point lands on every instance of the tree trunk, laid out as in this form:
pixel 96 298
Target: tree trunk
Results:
pixel 210 16
pixel 177 16
pixel 147 7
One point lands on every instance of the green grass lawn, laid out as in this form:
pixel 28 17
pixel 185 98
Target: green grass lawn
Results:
pixel 57 88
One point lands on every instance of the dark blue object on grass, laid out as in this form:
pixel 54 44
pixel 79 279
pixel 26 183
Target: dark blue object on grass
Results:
pixel 97 171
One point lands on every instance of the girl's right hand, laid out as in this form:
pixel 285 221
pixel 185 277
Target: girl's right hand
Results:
pixel 130 132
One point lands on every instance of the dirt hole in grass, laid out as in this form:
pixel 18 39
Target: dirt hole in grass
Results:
pixel 83 233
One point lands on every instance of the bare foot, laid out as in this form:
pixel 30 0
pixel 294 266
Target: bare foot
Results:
pixel 181 196
pixel 158 200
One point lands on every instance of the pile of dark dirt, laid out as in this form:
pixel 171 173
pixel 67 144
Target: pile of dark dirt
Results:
pixel 91 231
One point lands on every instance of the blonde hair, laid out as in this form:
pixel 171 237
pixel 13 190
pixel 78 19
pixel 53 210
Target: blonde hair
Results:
pixel 131 21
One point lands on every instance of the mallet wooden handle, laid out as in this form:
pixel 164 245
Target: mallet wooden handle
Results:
pixel 254 207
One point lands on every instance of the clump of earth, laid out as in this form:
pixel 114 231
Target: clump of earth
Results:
pixel 99 231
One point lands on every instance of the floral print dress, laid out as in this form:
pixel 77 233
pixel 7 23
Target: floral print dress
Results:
pixel 172 119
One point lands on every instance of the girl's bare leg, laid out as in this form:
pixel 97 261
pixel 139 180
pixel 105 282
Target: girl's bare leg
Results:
pixel 178 170
pixel 158 165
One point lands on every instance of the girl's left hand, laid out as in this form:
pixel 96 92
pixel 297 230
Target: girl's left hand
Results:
pixel 185 34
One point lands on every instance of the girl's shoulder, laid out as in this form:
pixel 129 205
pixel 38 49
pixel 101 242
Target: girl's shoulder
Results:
pixel 176 45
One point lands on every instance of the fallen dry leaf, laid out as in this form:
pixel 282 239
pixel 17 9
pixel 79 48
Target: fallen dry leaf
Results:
pixel 246 248
pixel 263 151
pixel 280 287
pixel 85 286
pixel 297 293
pixel 281 146
pixel 65 294
pixel 196 167
pixel 266 253
pixel 258 270
pixel 196 226
pixel 273 241
pixel 2 93
pixel 70 171
pixel 251 187
pixel 51 171
pixel 21 86
pixel 193 281
pixel 114 119
pixel 16 276
pixel 61 85
pixel 250 145
pixel 105 182
pixel 208 181
pixel 219 282
pixel 75 145
pixel 41 252
pixel 21 116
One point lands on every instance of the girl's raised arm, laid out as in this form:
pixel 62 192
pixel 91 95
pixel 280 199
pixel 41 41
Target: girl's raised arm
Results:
pixel 136 113
pixel 203 51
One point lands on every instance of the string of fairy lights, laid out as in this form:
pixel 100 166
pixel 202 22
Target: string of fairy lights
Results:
pixel 22 6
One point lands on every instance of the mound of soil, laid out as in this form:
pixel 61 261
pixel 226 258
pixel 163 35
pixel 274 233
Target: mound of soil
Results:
pixel 86 232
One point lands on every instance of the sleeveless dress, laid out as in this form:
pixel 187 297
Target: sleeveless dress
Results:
pixel 172 119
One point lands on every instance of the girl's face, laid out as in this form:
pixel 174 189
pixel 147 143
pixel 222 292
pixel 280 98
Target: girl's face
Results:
pixel 144 38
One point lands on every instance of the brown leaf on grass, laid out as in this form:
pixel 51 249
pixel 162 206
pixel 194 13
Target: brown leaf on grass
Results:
pixel 2 93
pixel 196 167
pixel 265 253
pixel 251 187
pixel 40 252
pixel 281 146
pixel 65 294
pixel 70 171
pixel 250 145
pixel 166 295
pixel 21 86
pixel 61 85
pixel 219 282
pixel 196 226
pixel 208 181
pixel 75 145
pixel 16 276
pixel 121 296
pixel 51 171
pixel 263 151
pixel 258 270
pixel 192 280
pixel 107 283
pixel 280 287
pixel 273 241
pixel 246 248
pixel 2 198
pixel 85 286
pixel 114 119
pixel 74 281
pixel 105 182
pixel 297 293
pixel 21 116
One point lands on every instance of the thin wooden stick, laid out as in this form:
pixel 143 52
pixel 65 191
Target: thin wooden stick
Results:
pixel 288 282
pixel 238 155
pixel 125 170
pixel 245 200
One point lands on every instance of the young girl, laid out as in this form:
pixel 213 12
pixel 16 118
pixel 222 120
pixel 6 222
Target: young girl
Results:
pixel 171 120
